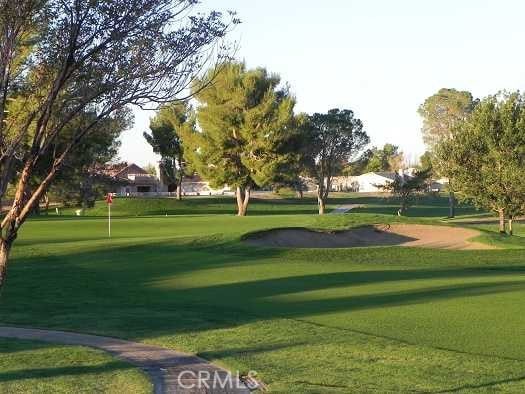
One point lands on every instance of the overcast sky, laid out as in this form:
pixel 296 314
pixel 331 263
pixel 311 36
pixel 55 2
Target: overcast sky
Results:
pixel 380 58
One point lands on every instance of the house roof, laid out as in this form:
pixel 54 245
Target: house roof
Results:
pixel 124 172
pixel 131 169
pixel 384 174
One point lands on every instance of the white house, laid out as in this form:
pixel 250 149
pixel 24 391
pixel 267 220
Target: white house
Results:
pixel 365 183
pixel 374 181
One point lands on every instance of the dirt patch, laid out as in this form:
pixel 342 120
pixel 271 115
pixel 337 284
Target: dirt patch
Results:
pixel 426 236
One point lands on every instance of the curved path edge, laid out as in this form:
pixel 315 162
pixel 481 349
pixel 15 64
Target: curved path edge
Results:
pixel 169 370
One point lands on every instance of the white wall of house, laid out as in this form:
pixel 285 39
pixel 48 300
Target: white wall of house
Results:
pixel 372 182
pixel 365 183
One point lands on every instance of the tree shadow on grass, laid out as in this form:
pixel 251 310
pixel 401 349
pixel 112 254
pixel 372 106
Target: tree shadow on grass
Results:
pixel 134 291
pixel 41 373
pixel 485 385
pixel 9 346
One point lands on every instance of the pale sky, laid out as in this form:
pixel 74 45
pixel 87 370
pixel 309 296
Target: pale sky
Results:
pixel 379 58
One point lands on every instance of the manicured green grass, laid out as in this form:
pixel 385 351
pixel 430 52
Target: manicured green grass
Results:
pixel 385 319
pixel 35 367
pixel 426 207
pixel 430 207
pixel 191 205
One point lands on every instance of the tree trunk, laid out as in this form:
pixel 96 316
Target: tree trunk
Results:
pixel 502 228
pixel 5 249
pixel 322 205
pixel 300 193
pixel 243 199
pixel 86 191
pixel 510 225
pixel 179 177
pixel 451 204
pixel 4 257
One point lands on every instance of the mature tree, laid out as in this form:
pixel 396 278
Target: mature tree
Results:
pixel 295 171
pixel 246 121
pixel 389 158
pixel 486 156
pixel 170 122
pixel 407 188
pixel 62 58
pixel 441 113
pixel 78 180
pixel 338 137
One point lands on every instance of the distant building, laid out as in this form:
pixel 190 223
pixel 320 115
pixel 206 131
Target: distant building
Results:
pixel 365 183
pixel 439 185
pixel 374 182
pixel 133 180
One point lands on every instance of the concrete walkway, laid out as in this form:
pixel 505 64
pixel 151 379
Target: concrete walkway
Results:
pixel 345 208
pixel 169 370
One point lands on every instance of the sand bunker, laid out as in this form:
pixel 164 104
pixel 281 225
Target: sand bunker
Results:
pixel 426 236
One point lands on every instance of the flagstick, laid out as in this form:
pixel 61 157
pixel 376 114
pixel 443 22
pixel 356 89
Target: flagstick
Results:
pixel 109 220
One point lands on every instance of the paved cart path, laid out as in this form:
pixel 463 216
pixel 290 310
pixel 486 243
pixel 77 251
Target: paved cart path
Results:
pixel 345 208
pixel 169 370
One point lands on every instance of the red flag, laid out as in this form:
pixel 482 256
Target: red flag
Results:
pixel 109 198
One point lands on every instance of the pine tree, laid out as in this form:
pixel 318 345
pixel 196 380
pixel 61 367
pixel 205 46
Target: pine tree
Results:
pixel 246 120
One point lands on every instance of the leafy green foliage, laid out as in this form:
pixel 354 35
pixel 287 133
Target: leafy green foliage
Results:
pixel 486 156
pixel 337 137
pixel 426 162
pixel 442 112
pixel 389 158
pixel 407 188
pixel 97 57
pixel 246 121
pixel 169 124
pixel 78 182
pixel 359 165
